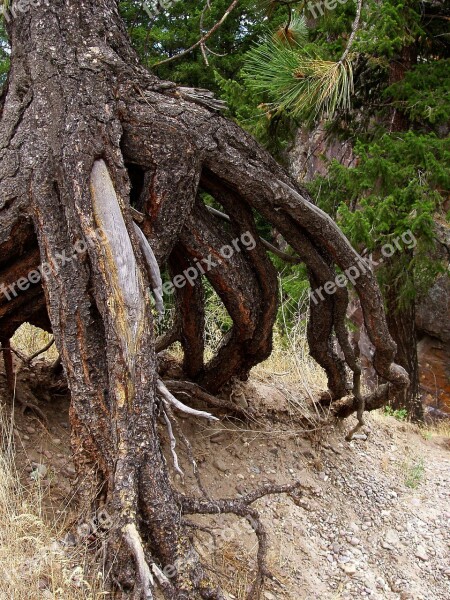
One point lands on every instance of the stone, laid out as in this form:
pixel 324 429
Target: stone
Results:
pixel 39 471
pixel 69 471
pixel 218 437
pixel 421 553
pixel 392 537
pixel 220 465
pixel 349 569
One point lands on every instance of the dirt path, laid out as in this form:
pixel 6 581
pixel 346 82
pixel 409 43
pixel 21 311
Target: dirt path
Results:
pixel 372 521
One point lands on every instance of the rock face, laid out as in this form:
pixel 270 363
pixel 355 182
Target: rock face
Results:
pixel 311 154
pixel 433 313
pixel 433 326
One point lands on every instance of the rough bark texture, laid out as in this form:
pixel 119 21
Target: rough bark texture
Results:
pixel 86 135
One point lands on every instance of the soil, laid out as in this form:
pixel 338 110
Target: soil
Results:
pixel 371 520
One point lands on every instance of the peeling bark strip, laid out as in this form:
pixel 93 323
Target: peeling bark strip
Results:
pixel 120 270
pixel 76 92
pixel 153 269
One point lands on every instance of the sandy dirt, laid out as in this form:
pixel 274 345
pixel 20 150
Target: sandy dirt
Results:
pixel 371 520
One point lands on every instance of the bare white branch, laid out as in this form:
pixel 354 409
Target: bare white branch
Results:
pixel 173 444
pixel 170 398
pixel 134 541
pixel 153 269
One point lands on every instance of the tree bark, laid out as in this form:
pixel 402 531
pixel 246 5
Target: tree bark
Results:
pixel 86 135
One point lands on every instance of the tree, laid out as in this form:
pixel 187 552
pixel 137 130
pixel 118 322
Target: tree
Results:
pixel 101 168
pixel 384 88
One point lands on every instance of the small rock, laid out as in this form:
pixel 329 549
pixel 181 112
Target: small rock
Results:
pixel 349 569
pixel 43 584
pixel 39 471
pixel 69 471
pixel 218 437
pixel 392 537
pixel 31 429
pixel 220 465
pixel 269 596
pixel 69 540
pixel 421 553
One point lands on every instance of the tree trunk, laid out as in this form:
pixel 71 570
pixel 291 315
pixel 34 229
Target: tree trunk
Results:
pixel 86 133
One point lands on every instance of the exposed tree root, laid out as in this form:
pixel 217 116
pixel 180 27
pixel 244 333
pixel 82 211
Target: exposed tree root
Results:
pixel 241 507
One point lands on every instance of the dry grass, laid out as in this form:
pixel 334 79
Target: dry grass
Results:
pixel 29 339
pixel 33 565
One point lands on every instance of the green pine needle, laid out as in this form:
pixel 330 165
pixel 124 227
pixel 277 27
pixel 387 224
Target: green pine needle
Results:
pixel 295 82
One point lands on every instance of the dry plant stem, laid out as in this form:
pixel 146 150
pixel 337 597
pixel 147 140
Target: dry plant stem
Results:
pixel 41 351
pixel 189 451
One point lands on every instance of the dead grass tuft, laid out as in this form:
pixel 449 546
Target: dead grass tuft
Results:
pixel 33 563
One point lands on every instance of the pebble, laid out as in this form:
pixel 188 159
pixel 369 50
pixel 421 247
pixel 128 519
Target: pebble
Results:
pixel 218 437
pixel 220 465
pixel 349 569
pixel 421 553
pixel 39 471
